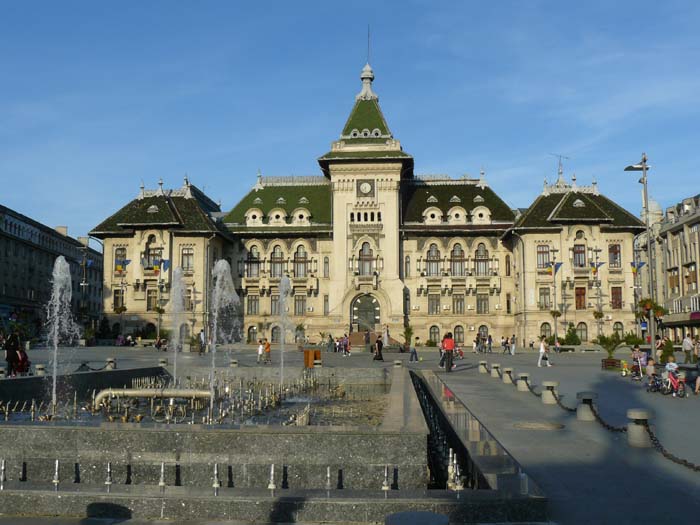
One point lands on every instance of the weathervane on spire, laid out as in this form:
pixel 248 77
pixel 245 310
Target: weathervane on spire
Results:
pixel 367 76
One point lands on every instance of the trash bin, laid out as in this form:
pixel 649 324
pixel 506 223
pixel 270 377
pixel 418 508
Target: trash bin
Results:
pixel 308 358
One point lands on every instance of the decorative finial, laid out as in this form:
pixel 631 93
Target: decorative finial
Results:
pixel 573 183
pixel 160 186
pixel 367 76
pixel 545 188
pixel 142 193
pixel 187 180
pixel 482 178
pixel 259 184
pixel 594 185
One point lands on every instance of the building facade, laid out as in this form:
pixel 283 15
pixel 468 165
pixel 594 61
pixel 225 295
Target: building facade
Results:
pixel 28 250
pixel 677 253
pixel 370 245
pixel 143 243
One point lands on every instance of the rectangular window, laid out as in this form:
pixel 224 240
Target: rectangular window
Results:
pixel 253 304
pixel 187 259
pixel 545 302
pixel 189 303
pixel 457 304
pixel 482 303
pixel 580 298
pixel 542 257
pixel 579 255
pixel 118 298
pixel 299 305
pixel 614 256
pixel 274 304
pixel 508 303
pixel 326 268
pixel 119 256
pixel 326 305
pixel 434 304
pixel 151 300
pixel 616 297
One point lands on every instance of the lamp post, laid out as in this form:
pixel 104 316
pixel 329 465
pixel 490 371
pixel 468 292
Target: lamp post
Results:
pixel 597 284
pixel 554 253
pixel 643 167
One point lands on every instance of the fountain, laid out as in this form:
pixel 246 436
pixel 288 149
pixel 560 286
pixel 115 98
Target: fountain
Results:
pixel 223 299
pixel 59 318
pixel 177 309
pixel 285 291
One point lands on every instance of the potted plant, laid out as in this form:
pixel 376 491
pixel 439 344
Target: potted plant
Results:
pixel 610 344
pixel 407 335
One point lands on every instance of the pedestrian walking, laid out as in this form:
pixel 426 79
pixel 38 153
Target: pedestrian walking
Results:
pixel 368 342
pixel 261 349
pixel 413 351
pixel 378 346
pixel 202 342
pixel 268 351
pixel 688 347
pixel 12 346
pixel 330 347
pixel 544 350
pixel 448 345
pixel 489 343
pixel 512 344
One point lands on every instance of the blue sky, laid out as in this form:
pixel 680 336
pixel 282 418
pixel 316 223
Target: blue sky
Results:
pixel 96 97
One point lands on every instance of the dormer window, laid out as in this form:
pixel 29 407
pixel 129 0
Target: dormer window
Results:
pixel 578 203
pixel 354 133
pixel 257 200
pixel 281 200
pixel 365 133
pixel 454 198
pixel 152 209
pixel 376 132
pixel 478 198
pixel 432 199
pixel 303 200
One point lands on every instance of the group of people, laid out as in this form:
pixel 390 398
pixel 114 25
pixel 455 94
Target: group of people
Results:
pixel 339 345
pixel 484 344
pixel 264 351
pixel 16 358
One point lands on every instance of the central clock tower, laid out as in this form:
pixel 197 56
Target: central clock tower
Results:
pixel 365 168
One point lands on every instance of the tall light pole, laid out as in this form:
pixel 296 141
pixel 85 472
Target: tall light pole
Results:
pixel 597 283
pixel 643 167
pixel 554 252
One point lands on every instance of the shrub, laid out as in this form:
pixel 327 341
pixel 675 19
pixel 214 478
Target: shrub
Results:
pixel 571 337
pixel 430 342
pixel 666 352
pixel 609 343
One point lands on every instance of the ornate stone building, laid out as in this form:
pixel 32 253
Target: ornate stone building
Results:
pixel 369 244
pixel 144 241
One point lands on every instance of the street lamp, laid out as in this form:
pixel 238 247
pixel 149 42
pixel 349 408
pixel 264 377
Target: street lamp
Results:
pixel 643 167
pixel 554 253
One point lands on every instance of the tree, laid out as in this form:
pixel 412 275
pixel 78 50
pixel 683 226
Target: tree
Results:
pixel 407 334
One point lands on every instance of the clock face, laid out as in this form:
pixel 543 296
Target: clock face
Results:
pixel 365 188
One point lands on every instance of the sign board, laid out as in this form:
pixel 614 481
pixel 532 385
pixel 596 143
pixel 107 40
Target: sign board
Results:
pixel 643 325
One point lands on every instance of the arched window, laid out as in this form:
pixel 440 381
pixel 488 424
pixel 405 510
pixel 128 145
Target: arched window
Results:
pixel 483 331
pixel 507 265
pixel 366 259
pixel 434 334
pixel 407 267
pixel 371 216
pixel 459 335
pixel 119 257
pixel 276 262
pixel 352 216
pixel 546 330
pixel 619 329
pixel 252 334
pixel 326 267
pixel 433 260
pixel 253 262
pixel 300 262
pixel 276 335
pixel 582 332
pixel 481 260
pixel 457 261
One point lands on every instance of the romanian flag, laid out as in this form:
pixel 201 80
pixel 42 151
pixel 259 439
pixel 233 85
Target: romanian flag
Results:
pixel 634 268
pixel 156 266
pixel 595 267
pixel 550 269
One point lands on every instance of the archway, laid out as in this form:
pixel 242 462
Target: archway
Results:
pixel 365 312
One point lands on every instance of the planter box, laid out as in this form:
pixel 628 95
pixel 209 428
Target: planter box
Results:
pixel 607 364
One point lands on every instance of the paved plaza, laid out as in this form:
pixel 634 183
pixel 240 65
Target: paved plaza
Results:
pixel 589 474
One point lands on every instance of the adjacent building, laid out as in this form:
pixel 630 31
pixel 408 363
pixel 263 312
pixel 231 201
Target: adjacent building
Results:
pixel 677 258
pixel 144 242
pixel 28 250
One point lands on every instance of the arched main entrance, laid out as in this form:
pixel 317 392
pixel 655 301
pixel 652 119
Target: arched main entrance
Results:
pixel 365 312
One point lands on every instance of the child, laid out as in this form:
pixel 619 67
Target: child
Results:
pixel 651 369
pixel 261 349
pixel 671 365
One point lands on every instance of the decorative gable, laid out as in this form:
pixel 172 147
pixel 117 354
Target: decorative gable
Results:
pixel 432 199
pixel 478 198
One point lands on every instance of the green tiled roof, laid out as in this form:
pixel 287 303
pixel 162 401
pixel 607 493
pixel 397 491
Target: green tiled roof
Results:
pixel 557 208
pixel 178 212
pixel 318 196
pixel 366 114
pixel 383 154
pixel 415 196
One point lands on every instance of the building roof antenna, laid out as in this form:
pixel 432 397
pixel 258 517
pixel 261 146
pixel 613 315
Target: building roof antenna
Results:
pixel 368 43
